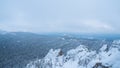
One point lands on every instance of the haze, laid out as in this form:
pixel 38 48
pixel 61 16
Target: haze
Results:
pixel 75 16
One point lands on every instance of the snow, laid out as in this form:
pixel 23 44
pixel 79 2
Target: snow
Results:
pixel 103 48
pixel 80 57
pixel 116 41
pixel 63 38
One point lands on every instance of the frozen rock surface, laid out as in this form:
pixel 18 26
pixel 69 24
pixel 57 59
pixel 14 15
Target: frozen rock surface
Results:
pixel 81 57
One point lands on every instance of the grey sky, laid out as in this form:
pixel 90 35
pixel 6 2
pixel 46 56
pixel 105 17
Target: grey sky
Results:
pixel 83 16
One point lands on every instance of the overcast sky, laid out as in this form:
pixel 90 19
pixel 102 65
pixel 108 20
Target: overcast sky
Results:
pixel 77 16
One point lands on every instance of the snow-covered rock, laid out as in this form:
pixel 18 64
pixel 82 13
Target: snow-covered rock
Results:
pixel 80 57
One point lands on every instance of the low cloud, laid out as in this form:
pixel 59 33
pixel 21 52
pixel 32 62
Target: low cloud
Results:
pixel 60 16
pixel 75 26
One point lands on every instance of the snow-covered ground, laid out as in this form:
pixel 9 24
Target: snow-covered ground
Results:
pixel 81 57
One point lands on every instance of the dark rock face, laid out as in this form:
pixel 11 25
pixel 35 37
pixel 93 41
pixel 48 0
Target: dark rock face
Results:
pixel 99 65
pixel 60 53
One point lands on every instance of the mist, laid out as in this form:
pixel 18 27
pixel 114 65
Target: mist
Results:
pixel 78 16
